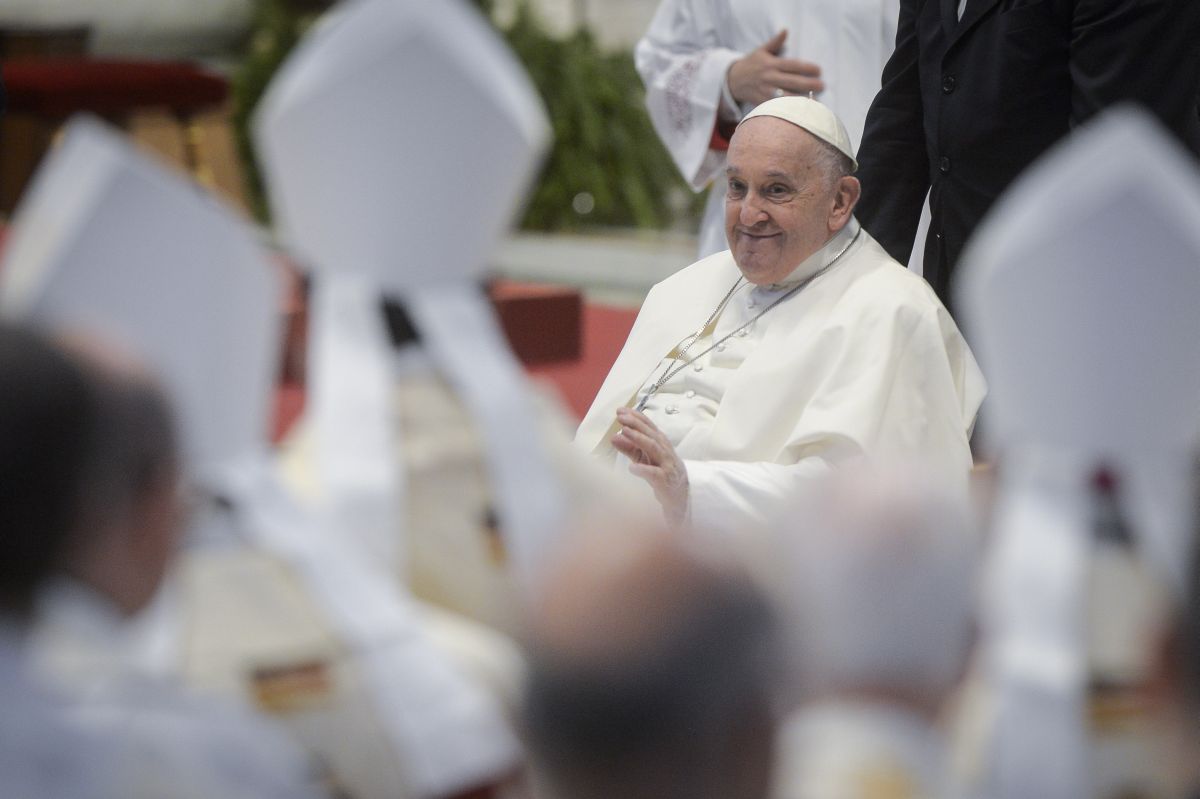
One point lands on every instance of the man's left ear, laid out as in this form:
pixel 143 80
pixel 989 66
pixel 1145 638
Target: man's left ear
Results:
pixel 845 197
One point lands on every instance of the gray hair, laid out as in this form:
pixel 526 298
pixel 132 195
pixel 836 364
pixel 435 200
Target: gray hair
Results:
pixel 49 414
pixel 832 162
pixel 136 446
pixel 688 717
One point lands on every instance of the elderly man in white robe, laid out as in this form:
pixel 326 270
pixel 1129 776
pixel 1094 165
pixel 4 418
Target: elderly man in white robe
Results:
pixel 804 345
pixel 706 63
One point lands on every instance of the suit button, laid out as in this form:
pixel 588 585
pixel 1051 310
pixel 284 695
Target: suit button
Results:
pixel 944 165
pixel 948 84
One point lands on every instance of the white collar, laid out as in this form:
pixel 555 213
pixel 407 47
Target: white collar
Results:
pixel 87 634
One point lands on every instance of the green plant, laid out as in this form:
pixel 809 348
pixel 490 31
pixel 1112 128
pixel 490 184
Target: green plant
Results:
pixel 607 166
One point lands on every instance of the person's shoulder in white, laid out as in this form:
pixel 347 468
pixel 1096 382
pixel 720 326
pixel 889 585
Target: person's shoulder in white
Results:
pixel 162 739
pixel 884 297
pixel 718 268
pixel 173 744
pixel 41 755
pixel 888 282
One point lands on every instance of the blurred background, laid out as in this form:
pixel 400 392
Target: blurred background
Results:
pixel 609 215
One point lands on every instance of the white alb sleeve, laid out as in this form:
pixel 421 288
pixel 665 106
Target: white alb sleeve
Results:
pixel 683 65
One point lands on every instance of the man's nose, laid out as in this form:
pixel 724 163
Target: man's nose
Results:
pixel 752 212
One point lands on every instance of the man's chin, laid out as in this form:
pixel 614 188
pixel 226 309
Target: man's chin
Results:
pixel 759 276
pixel 755 264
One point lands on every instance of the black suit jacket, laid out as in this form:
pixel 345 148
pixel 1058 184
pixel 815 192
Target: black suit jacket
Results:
pixel 966 105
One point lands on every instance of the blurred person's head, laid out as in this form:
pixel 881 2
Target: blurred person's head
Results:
pixel 130 520
pixel 87 473
pixel 882 578
pixel 652 674
pixel 49 421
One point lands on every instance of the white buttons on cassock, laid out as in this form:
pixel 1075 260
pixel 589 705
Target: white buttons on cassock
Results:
pixel 689 394
pixel 699 367
pixel 672 410
pixel 720 348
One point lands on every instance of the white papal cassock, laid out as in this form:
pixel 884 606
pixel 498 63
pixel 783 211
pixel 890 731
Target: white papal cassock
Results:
pixel 863 360
pixel 690 45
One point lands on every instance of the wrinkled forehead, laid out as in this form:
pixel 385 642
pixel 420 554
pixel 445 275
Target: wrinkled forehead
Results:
pixel 770 144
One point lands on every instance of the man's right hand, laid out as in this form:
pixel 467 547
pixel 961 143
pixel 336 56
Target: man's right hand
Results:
pixel 755 78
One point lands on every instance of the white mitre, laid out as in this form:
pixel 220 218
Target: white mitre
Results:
pixel 107 243
pixel 397 142
pixel 1079 293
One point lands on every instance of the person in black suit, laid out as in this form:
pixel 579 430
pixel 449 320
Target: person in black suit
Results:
pixel 977 89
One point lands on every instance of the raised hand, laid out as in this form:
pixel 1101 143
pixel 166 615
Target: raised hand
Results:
pixel 764 74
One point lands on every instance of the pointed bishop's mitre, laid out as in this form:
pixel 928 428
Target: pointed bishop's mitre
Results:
pixel 108 243
pixel 397 141
pixel 1081 294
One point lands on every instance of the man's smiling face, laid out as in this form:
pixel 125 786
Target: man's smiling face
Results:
pixel 780 206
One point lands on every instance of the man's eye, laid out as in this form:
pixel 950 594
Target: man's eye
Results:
pixel 777 190
pixel 736 189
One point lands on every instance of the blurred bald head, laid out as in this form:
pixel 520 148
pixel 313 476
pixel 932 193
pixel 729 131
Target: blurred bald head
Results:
pixel 130 520
pixel 49 417
pixel 87 471
pixel 652 674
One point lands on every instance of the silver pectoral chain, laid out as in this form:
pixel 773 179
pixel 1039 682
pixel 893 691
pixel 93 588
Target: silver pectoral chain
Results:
pixel 677 363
